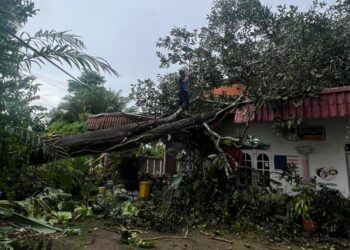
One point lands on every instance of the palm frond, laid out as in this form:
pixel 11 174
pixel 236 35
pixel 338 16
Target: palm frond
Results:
pixel 53 37
pixel 44 146
pixel 61 47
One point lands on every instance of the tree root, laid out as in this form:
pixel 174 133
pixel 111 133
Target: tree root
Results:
pixel 216 238
pixel 123 228
pixel 138 231
pixel 169 237
pixel 166 237
pixel 110 230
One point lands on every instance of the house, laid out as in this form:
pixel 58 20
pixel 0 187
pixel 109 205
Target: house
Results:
pixel 315 137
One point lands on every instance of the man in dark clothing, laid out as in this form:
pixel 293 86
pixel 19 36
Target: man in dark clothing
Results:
pixel 183 90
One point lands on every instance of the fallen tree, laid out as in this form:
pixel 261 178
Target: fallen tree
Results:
pixel 132 135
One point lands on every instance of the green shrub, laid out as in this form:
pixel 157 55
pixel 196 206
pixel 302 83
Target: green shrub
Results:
pixel 332 211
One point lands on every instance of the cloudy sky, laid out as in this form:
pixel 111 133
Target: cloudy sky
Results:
pixel 123 32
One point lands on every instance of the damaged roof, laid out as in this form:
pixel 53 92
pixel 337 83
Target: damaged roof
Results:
pixel 112 120
pixel 330 103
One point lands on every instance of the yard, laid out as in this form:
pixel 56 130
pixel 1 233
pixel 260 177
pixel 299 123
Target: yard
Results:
pixel 266 166
pixel 94 236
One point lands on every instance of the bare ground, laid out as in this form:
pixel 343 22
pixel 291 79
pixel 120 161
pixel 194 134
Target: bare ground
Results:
pixel 95 237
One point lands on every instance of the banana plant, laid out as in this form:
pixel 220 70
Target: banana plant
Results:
pixel 302 204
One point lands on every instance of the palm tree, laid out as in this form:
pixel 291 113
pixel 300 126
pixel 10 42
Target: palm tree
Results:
pixel 18 52
pixel 43 46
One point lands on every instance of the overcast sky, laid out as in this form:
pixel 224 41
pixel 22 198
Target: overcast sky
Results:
pixel 123 32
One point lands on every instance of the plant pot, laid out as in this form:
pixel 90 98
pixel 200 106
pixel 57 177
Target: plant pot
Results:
pixel 102 190
pixel 310 226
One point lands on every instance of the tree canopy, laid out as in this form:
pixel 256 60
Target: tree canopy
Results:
pixel 275 54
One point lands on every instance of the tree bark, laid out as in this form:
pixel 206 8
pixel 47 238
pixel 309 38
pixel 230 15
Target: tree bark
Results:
pixel 120 138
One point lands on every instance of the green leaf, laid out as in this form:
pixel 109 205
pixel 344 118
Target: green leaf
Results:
pixel 37 225
pixel 72 232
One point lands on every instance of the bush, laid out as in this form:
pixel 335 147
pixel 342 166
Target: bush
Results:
pixel 80 176
pixel 332 211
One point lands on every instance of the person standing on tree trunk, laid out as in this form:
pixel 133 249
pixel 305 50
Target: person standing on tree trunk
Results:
pixel 183 90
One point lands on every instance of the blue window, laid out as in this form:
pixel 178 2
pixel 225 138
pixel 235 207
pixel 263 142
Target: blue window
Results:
pixel 280 162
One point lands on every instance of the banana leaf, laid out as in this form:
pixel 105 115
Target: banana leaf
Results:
pixel 16 205
pixel 37 225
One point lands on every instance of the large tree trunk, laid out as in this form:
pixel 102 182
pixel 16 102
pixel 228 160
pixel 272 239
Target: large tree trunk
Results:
pixel 129 136
pixel 120 138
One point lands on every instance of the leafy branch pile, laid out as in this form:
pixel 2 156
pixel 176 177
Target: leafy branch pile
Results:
pixel 49 206
pixel 209 199
pixel 36 217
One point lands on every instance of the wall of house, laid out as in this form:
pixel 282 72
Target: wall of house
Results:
pixel 328 154
pixel 153 166
pixel 157 167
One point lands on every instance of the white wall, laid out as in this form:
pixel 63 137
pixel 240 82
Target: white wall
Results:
pixel 329 153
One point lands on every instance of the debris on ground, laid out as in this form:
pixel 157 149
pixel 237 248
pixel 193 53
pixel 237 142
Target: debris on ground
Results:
pixel 132 239
pixel 34 217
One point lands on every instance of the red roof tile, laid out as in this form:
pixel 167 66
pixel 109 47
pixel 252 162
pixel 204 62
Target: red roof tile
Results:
pixel 112 120
pixel 236 89
pixel 331 103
